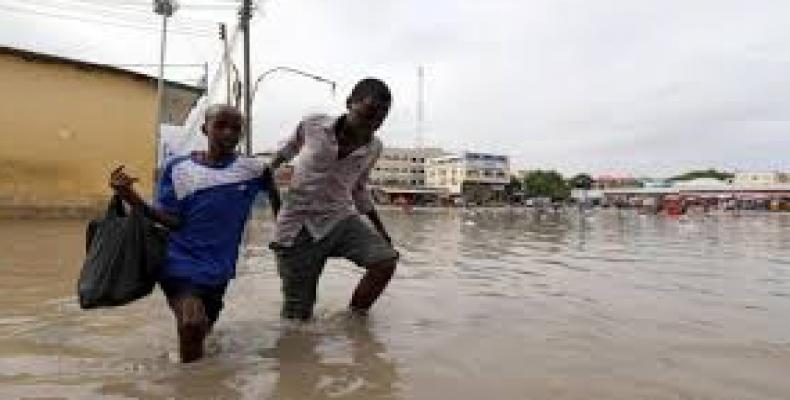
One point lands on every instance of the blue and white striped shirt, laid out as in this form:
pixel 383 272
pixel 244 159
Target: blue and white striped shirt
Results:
pixel 213 204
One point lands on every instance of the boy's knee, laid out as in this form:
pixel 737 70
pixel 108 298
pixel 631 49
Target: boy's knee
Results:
pixel 190 313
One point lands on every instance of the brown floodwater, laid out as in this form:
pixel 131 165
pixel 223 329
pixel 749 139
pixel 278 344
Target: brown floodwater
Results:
pixel 485 305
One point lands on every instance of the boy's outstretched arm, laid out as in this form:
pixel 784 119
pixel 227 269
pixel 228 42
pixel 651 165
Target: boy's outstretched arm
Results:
pixel 122 184
pixel 363 199
pixel 271 189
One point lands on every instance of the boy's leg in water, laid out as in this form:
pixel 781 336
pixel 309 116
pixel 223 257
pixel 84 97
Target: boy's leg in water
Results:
pixel 300 267
pixel 196 309
pixel 357 241
pixel 192 325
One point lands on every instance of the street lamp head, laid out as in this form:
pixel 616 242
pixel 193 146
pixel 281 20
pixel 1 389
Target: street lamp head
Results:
pixel 165 7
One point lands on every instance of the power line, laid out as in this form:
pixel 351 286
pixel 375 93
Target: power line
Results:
pixel 147 4
pixel 117 24
pixel 136 15
pixel 209 7
pixel 156 65
pixel 138 10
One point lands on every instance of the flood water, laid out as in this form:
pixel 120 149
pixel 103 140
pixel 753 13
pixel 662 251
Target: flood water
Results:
pixel 485 305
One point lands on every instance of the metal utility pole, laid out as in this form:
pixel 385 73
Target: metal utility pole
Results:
pixel 165 8
pixel 246 14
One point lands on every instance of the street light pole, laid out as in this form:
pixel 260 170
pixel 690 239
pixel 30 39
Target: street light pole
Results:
pixel 223 35
pixel 314 77
pixel 246 14
pixel 293 71
pixel 165 8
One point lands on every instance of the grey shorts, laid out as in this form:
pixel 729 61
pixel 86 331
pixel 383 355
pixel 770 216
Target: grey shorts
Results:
pixel 301 264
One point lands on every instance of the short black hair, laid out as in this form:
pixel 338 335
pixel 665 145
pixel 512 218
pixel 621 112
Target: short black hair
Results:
pixel 370 87
pixel 219 108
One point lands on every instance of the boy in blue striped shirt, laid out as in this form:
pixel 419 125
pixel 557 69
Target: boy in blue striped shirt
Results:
pixel 205 200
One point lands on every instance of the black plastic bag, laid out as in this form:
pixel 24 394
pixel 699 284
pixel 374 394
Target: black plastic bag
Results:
pixel 124 252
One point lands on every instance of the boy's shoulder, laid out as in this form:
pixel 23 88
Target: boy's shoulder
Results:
pixel 255 166
pixel 188 177
pixel 175 160
pixel 173 163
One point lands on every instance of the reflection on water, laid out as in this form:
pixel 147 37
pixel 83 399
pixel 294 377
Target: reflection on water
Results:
pixel 486 304
pixel 342 358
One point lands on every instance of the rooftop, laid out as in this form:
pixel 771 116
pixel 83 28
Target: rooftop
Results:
pixel 29 55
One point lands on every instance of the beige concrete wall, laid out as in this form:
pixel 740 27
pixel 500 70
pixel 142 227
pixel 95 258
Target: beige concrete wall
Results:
pixel 64 127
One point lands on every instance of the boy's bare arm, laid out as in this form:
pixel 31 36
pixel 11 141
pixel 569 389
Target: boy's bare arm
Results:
pixel 271 189
pixel 122 184
pixel 374 218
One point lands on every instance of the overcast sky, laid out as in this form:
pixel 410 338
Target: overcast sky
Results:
pixel 607 86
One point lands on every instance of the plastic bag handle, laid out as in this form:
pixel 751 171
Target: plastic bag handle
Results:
pixel 115 208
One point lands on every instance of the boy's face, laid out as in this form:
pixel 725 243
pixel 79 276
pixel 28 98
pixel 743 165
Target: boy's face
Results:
pixel 223 130
pixel 367 114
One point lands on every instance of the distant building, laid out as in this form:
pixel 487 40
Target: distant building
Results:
pixel 761 178
pixel 700 182
pixel 655 183
pixel 615 181
pixel 478 178
pixel 68 122
pixel 403 167
pixel 399 176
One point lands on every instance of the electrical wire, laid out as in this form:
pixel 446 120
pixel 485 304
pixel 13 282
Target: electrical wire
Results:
pixel 123 16
pixel 112 11
pixel 118 24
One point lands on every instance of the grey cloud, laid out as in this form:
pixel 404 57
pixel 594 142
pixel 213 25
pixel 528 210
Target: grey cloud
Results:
pixel 607 85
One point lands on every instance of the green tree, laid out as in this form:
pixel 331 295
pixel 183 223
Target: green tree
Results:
pixel 707 173
pixel 540 183
pixel 581 181
pixel 513 187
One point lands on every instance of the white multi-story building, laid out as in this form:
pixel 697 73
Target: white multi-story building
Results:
pixel 761 178
pixel 403 167
pixel 473 177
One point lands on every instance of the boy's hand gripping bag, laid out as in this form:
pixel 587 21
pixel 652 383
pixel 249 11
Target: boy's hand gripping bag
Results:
pixel 124 252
